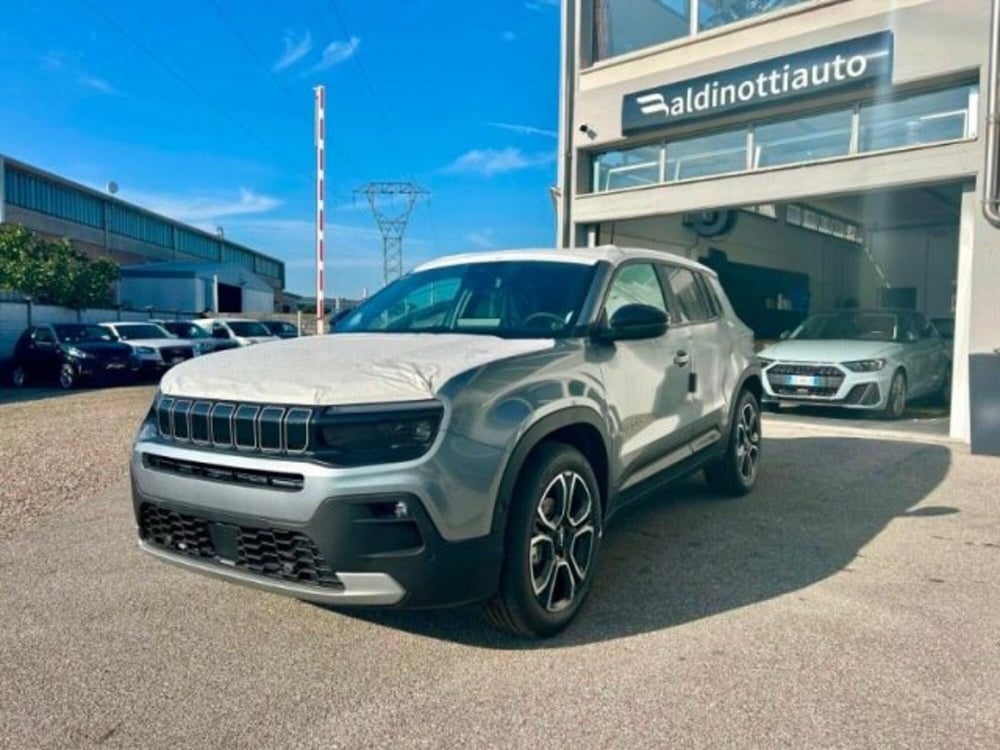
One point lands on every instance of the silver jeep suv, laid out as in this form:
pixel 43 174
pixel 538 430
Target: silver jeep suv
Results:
pixel 465 435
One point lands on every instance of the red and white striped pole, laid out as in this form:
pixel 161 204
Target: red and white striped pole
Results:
pixel 320 195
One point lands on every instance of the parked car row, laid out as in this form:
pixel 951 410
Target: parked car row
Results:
pixel 114 352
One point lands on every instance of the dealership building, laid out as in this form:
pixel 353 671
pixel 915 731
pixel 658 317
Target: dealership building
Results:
pixel 819 154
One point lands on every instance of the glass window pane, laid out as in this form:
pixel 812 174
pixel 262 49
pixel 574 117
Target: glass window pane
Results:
pixel 622 26
pixel 616 170
pixel 634 284
pixel 803 139
pixel 793 215
pixel 688 294
pixel 924 118
pixel 707 155
pixel 715 13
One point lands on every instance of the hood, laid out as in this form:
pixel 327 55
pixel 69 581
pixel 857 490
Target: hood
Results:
pixel 101 347
pixel 350 368
pixel 832 350
pixel 158 343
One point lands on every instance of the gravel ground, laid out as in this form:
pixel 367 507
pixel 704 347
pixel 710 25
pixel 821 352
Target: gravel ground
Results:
pixel 60 448
pixel 831 608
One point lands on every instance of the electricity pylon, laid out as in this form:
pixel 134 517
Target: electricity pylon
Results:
pixel 391 204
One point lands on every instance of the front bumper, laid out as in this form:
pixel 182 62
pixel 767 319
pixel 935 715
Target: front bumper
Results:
pixel 325 535
pixel 826 384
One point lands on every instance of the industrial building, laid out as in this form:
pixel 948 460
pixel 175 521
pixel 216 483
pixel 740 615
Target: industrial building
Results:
pixel 194 287
pixel 819 154
pixel 101 225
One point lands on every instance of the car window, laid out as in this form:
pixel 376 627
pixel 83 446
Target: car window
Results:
pixel 636 283
pixel 133 331
pixel 513 299
pixel 76 333
pixel 849 325
pixel 691 302
pixel 714 306
pixel 248 328
pixel 44 336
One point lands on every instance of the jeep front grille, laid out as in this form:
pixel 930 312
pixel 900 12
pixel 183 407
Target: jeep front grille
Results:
pixel 273 553
pixel 243 427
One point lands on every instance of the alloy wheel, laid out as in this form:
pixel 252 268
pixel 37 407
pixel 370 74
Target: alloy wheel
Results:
pixel 897 395
pixel 66 376
pixel 19 376
pixel 747 441
pixel 562 541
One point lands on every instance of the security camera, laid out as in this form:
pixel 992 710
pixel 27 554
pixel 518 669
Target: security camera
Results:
pixel 585 128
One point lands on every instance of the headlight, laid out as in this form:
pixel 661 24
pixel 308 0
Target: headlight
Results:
pixel 148 429
pixel 764 362
pixel 371 435
pixel 78 353
pixel 865 365
pixel 145 350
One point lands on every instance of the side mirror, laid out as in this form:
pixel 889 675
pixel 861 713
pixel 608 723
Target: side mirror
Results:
pixel 784 335
pixel 634 322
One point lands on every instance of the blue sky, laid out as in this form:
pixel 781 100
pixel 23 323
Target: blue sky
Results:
pixel 461 97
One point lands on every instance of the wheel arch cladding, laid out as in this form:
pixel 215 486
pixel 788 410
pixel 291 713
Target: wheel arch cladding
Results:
pixel 578 427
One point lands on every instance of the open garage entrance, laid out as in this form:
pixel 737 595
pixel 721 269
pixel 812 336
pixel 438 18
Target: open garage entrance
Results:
pixel 889 251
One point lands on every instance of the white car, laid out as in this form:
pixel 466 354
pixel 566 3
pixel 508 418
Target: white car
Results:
pixel 153 347
pixel 858 359
pixel 241 330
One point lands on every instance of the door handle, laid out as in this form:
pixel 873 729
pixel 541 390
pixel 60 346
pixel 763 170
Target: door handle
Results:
pixel 682 359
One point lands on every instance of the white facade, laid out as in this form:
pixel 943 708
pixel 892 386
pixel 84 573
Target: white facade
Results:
pixel 900 156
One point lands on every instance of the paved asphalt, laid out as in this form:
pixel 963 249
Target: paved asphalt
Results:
pixel 851 601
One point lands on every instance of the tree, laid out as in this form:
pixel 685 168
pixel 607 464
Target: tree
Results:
pixel 53 271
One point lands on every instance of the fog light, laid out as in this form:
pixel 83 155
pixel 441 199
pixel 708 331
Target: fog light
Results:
pixel 401 510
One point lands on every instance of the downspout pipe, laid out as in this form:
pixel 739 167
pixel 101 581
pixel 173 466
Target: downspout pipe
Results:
pixel 991 197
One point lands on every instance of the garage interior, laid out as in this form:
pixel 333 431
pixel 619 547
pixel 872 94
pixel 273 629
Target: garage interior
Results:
pixel 781 262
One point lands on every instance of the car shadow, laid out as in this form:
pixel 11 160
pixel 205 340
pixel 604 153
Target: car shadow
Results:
pixel 687 554
pixel 11 395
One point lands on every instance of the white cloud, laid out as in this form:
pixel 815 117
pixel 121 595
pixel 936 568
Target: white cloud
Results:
pixel 481 240
pixel 205 208
pixel 295 49
pixel 509 36
pixel 540 6
pixel 96 84
pixel 336 53
pixel 524 129
pixel 491 161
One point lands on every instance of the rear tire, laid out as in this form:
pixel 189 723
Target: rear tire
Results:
pixel 19 377
pixel 552 542
pixel 736 472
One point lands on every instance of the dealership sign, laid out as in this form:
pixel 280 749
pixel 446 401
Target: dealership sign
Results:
pixel 835 66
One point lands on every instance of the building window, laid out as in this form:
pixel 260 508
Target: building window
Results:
pixel 615 170
pixel 193 243
pixel 802 139
pixel 817 221
pixel 622 26
pixel 904 121
pixel 706 155
pixel 923 118
pixel 38 194
pixel 139 226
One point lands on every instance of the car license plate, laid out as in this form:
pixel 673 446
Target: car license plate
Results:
pixel 175 360
pixel 803 381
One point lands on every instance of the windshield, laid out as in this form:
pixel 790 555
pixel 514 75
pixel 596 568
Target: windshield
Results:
pixel 73 333
pixel 187 330
pixel 860 326
pixel 513 299
pixel 132 332
pixel 247 328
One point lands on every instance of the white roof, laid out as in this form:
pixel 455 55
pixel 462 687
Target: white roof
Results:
pixel 588 256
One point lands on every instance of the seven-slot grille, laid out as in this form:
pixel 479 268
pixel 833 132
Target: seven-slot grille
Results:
pixel 245 427
pixel 805 380
pixel 275 553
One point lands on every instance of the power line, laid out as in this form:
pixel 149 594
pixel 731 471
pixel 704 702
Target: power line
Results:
pixel 296 103
pixel 208 101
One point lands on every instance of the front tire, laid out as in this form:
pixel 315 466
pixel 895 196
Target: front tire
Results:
pixel 895 405
pixel 736 472
pixel 552 544
pixel 67 376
